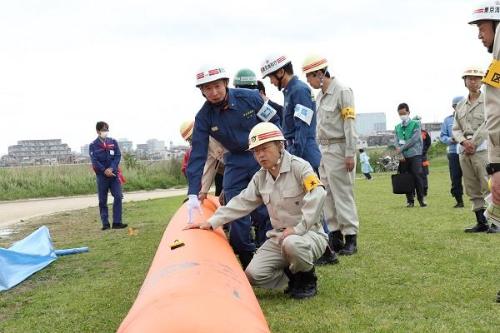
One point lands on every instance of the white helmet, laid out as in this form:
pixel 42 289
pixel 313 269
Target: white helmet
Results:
pixel 273 63
pixel 473 71
pixel 314 63
pixel 262 133
pixel 209 74
pixel 486 11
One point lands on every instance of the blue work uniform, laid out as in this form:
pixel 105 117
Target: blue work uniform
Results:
pixel 299 122
pixel 106 154
pixel 230 124
pixel 446 137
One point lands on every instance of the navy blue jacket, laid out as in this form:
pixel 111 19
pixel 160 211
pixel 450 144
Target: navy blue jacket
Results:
pixel 105 154
pixel 301 137
pixel 230 126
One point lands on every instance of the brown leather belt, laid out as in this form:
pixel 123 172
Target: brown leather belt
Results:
pixel 326 142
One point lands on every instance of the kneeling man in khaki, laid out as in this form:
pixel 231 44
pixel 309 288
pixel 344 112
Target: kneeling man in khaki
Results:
pixel 294 197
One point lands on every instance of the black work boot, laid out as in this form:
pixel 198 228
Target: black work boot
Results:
pixel 306 285
pixel 328 258
pixel 336 240
pixel 460 202
pixel 119 226
pixel 410 204
pixel 498 297
pixel 482 223
pixel 292 281
pixel 350 246
pixel 422 203
pixel 245 258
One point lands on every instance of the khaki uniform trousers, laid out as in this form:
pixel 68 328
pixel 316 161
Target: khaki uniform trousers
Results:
pixel 340 207
pixel 297 252
pixel 475 177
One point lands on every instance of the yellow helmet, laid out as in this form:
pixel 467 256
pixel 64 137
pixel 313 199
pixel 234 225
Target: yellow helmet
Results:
pixel 262 133
pixel 187 129
pixel 473 71
pixel 314 63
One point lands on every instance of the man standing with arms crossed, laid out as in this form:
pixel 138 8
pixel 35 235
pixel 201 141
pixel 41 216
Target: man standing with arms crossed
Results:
pixel 336 135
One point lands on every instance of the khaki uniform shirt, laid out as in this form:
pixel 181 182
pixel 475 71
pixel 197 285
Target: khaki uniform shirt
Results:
pixel 336 116
pixel 294 199
pixel 215 158
pixel 469 121
pixel 492 107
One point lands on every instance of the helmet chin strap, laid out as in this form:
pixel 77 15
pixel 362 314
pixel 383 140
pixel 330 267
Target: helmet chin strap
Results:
pixel 280 80
pixel 277 162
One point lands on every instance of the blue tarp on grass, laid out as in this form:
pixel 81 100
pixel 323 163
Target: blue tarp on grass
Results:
pixel 25 258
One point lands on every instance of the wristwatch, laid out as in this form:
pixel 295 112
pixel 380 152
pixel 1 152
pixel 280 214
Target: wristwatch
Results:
pixel 491 168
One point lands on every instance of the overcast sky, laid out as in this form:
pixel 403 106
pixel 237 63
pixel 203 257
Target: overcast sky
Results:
pixel 66 64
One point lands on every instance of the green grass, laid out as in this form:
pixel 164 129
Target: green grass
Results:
pixel 77 179
pixel 416 271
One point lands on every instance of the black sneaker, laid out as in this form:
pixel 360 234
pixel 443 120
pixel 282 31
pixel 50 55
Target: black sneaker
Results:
pixel 478 228
pixel 422 203
pixel 493 229
pixel 498 297
pixel 410 205
pixel 105 227
pixel 119 226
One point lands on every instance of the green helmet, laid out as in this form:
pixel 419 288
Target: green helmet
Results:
pixel 245 77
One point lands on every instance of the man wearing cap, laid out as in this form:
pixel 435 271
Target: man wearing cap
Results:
pixel 446 137
pixel 228 115
pixel 336 135
pixel 294 196
pixel 470 133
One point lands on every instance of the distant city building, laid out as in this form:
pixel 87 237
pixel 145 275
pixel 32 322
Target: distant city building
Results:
pixel 155 146
pixel 84 150
pixel 380 139
pixel 32 152
pixel 142 151
pixel 126 146
pixel 434 130
pixel 370 123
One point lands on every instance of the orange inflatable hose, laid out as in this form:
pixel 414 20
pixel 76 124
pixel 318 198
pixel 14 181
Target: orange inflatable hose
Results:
pixel 195 284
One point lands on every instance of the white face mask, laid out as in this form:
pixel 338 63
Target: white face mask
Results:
pixel 103 134
pixel 404 118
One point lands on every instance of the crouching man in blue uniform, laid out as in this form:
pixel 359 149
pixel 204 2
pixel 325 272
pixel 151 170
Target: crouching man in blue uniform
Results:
pixel 105 156
pixel 228 115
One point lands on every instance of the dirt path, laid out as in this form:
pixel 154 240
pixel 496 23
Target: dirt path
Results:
pixel 12 212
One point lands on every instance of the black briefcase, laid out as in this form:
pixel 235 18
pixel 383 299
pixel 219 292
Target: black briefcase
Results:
pixel 402 183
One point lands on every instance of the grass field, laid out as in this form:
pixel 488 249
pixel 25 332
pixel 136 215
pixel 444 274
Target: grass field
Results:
pixel 416 271
pixel 77 179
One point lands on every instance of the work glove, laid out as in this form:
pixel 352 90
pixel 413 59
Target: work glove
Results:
pixel 193 205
